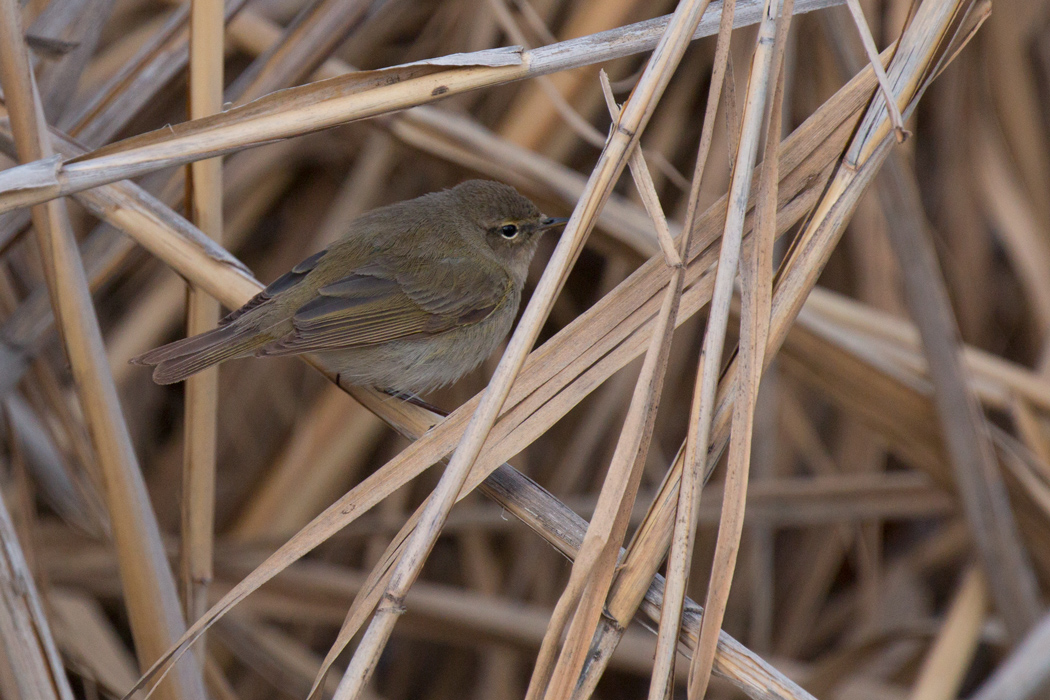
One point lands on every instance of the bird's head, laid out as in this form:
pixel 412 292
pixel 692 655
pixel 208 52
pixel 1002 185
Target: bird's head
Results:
pixel 511 225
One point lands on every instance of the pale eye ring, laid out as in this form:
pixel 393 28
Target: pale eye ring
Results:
pixel 509 231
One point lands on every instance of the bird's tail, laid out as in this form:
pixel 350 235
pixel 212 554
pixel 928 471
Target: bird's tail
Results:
pixel 176 361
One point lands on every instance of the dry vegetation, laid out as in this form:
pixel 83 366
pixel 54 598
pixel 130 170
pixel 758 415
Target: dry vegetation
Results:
pixel 774 423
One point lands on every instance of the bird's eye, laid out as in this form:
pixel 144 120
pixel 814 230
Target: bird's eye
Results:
pixel 509 231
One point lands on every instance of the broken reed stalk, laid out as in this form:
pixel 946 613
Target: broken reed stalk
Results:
pixel 756 282
pixel 633 119
pixel 643 182
pixel 338 101
pixel 873 57
pixel 204 195
pixel 152 601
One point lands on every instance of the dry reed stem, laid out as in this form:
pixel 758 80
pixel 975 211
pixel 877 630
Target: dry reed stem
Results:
pixel 336 101
pixel 944 668
pixel 1020 123
pixel 79 25
pixel 532 115
pixel 782 502
pixel 1029 428
pixel 325 456
pixel 565 530
pixel 1027 468
pixel 493 617
pixel 851 595
pixel 754 321
pixel 275 66
pixel 150 591
pixel 994 380
pixel 760 267
pixel 34 667
pixel 1011 580
pixel 911 437
pixel 102 117
pixel 1017 225
pixel 528 498
pixel 306 43
pixel 643 181
pixel 615 216
pixel 367 598
pixel 570 116
pixel 204 195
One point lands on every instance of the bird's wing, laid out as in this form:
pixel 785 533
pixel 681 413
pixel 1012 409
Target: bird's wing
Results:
pixel 379 302
pixel 283 283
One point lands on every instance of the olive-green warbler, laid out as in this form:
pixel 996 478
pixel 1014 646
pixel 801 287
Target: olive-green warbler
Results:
pixel 414 296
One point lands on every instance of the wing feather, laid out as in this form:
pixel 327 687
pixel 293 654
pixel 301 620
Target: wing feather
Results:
pixel 282 284
pixel 382 302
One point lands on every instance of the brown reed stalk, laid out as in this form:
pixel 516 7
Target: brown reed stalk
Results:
pixel 656 528
pixel 621 484
pixel 204 197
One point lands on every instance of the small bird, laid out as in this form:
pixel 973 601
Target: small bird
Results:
pixel 414 296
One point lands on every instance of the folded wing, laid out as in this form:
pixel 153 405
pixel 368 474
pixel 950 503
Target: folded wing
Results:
pixel 383 301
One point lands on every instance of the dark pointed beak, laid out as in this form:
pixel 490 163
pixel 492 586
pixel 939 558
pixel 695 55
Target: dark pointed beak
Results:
pixel 552 222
